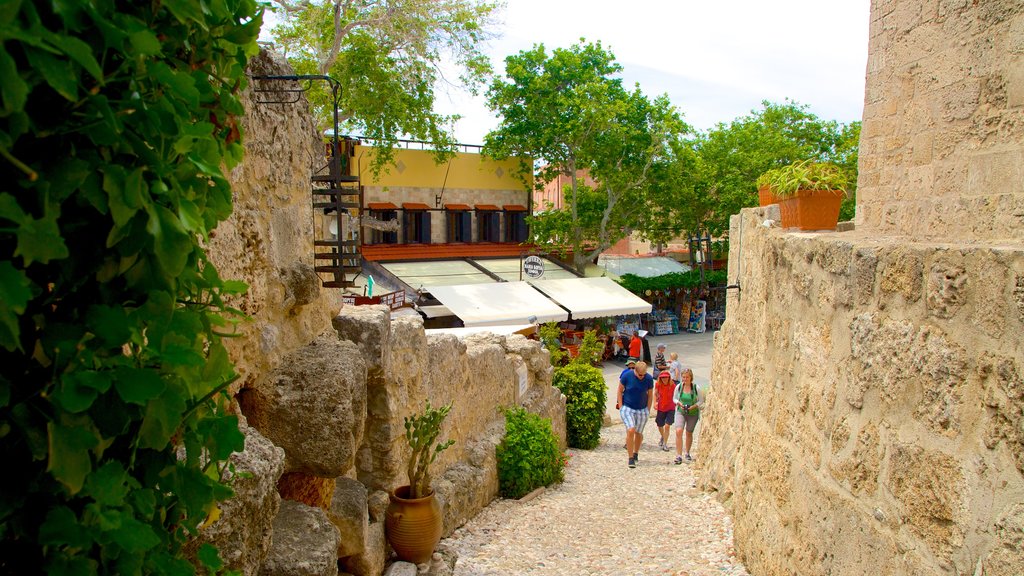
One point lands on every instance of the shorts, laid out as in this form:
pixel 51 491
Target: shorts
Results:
pixel 665 417
pixel 687 420
pixel 634 418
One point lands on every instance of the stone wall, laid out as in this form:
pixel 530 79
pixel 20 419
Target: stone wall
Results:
pixel 267 241
pixel 866 408
pixel 324 394
pixel 942 146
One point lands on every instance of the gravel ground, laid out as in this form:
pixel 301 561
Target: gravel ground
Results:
pixel 605 519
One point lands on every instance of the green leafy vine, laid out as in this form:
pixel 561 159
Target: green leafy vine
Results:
pixel 116 123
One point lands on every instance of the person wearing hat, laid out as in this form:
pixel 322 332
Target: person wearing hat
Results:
pixel 663 399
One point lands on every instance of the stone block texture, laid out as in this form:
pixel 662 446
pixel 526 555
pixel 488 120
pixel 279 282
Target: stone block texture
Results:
pixel 942 146
pixel 866 413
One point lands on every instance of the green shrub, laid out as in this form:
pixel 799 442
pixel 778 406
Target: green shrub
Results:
pixel 118 121
pixel 586 394
pixel 528 456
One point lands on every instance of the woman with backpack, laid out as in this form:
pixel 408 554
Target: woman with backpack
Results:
pixel 687 413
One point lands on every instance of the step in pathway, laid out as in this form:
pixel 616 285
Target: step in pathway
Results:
pixel 605 518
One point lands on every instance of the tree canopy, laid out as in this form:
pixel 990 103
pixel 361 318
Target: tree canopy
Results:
pixel 718 178
pixel 570 112
pixel 388 56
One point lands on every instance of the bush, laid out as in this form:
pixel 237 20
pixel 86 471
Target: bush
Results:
pixel 586 394
pixel 528 456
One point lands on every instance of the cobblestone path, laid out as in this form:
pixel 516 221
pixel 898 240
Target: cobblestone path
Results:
pixel 605 519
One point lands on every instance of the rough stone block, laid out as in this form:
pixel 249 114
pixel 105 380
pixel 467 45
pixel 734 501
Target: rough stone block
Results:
pixel 306 488
pixel 375 553
pixel 401 568
pixel 1006 558
pixel 313 405
pixel 301 285
pixel 901 274
pixel 349 513
pixel 947 286
pixel 369 327
pixel 305 543
pixel 243 531
pixel 930 487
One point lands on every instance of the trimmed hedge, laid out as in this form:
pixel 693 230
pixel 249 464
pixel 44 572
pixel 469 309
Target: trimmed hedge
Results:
pixel 528 456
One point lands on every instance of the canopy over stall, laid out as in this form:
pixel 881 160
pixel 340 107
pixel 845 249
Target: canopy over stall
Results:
pixel 592 297
pixel 498 303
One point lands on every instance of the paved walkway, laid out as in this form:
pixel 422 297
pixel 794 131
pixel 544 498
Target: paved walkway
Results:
pixel 607 518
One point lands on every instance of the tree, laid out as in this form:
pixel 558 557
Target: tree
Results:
pixel 387 55
pixel 570 112
pixel 731 156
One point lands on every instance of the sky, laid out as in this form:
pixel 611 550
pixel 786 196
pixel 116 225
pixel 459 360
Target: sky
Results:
pixel 717 60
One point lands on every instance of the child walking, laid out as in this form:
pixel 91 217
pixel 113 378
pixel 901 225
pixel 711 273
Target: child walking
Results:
pixel 663 390
pixel 687 413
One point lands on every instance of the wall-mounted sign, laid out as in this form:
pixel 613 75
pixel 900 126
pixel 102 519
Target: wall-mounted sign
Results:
pixel 533 267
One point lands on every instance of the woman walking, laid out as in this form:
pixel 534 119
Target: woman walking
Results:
pixel 687 413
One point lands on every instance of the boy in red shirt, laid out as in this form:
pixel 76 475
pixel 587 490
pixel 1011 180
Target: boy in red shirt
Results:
pixel 666 407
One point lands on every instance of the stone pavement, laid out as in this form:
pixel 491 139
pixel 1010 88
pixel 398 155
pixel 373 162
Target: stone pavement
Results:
pixel 604 519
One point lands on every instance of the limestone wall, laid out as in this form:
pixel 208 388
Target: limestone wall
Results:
pixel 942 146
pixel 866 408
pixel 267 242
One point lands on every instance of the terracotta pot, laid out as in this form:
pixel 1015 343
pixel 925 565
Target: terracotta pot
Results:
pixel 765 196
pixel 811 210
pixel 413 525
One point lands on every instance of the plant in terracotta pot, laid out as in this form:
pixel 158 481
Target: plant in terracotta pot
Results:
pixel 413 519
pixel 809 193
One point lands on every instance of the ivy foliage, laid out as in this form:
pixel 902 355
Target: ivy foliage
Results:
pixel 528 456
pixel 585 397
pixel 116 120
pixel 673 280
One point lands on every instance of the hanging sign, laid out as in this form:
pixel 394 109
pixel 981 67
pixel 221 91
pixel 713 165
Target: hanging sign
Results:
pixel 533 267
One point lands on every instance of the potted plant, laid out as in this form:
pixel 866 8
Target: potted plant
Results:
pixel 413 519
pixel 809 193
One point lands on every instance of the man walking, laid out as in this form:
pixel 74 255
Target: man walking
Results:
pixel 634 404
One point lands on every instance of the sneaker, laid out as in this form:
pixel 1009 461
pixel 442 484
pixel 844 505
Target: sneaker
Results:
pixel 632 463
pixel 636 457
pixel 688 459
pixel 679 459
pixel 661 443
pixel 664 448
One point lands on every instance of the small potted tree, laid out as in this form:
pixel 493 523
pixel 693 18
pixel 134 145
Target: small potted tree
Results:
pixel 413 519
pixel 809 193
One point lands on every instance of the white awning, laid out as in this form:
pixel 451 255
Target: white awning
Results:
pixel 498 303
pixel 524 329
pixel 592 297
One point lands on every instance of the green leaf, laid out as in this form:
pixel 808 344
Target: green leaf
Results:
pixel 61 528
pixel 144 43
pixel 69 447
pixel 80 52
pixel 73 394
pixel 185 10
pixel 138 385
pixel 15 292
pixel 134 536
pixel 163 416
pixel 144 502
pixel 58 73
pixel 224 437
pixel 108 485
pixel 38 240
pixel 110 323
pixel 209 557
pixel 13 89
pixel 171 244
